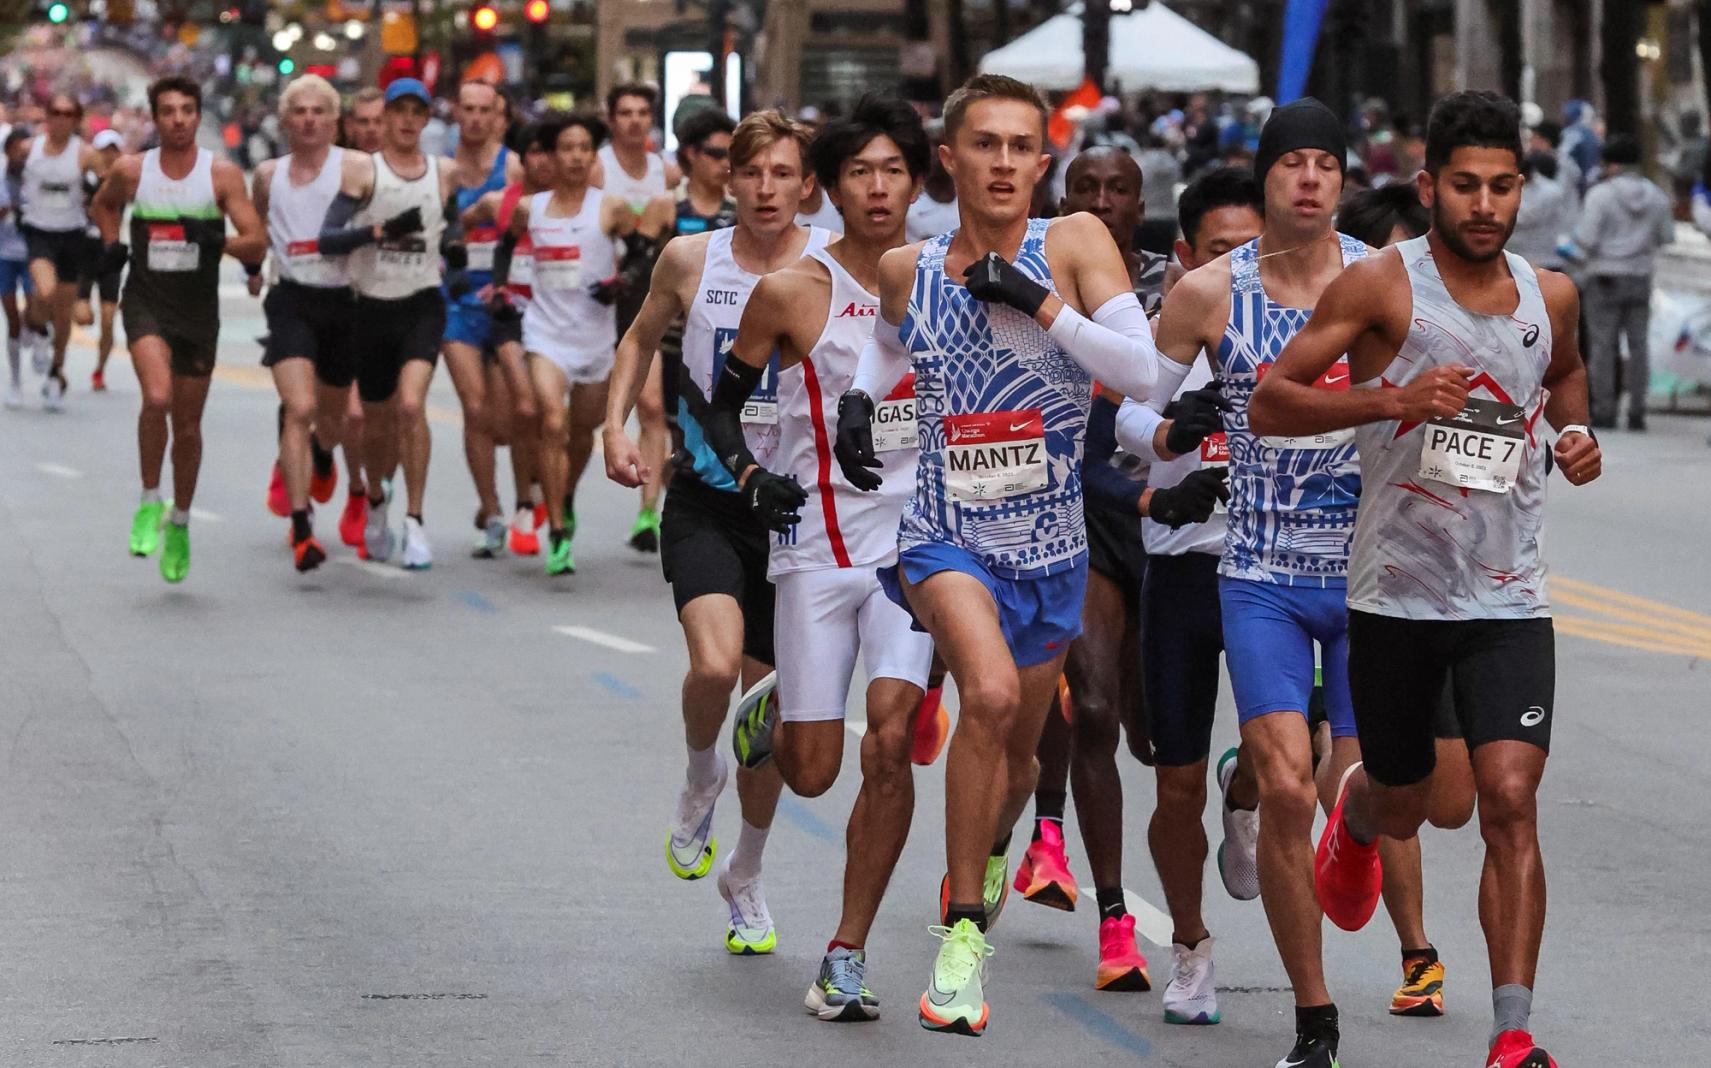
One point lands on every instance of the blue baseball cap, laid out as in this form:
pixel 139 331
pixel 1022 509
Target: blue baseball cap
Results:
pixel 404 87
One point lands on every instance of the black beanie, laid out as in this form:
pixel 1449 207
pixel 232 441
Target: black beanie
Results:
pixel 1304 123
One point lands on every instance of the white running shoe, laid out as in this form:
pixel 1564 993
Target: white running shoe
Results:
pixel 14 397
pixel 417 555
pixel 53 396
pixel 689 843
pixel 1238 854
pixel 1191 997
pixel 750 932
pixel 490 543
pixel 41 351
pixel 377 535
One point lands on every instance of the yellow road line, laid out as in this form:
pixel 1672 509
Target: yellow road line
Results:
pixel 1600 628
pixel 1648 619
pixel 1588 589
pixel 1674 647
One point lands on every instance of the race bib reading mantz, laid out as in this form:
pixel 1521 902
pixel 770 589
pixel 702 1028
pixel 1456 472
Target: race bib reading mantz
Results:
pixel 991 455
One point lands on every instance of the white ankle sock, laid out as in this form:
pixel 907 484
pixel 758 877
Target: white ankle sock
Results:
pixel 704 766
pixel 180 517
pixel 745 859
pixel 151 496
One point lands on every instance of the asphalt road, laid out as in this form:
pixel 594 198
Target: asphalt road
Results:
pixel 374 818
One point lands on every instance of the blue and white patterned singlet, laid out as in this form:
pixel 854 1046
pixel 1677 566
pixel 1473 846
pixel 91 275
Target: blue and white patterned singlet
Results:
pixel 986 369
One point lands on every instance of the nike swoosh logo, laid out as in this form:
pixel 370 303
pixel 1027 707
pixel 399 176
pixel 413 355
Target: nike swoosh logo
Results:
pixel 1512 419
pixel 1329 381
pixel 1018 426
pixel 1290 1064
pixel 934 990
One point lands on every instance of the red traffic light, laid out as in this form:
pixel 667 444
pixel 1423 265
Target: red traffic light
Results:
pixel 537 10
pixel 484 18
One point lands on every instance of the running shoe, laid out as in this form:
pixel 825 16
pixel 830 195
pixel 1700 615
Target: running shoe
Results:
pixel 750 932
pixel 644 536
pixel 1516 1049
pixel 353 519
pixel 175 552
pixel 14 396
pixel 278 502
pixel 322 487
pixel 756 719
pixel 689 843
pixel 490 543
pixel 1043 876
pixel 1422 989
pixel 98 382
pixel 540 515
pixel 1347 875
pixel 525 541
pixel 418 555
pixel 53 394
pixel 1238 853
pixel 308 554
pixel 559 558
pixel 1191 997
pixel 932 728
pixel 840 994
pixel 377 536
pixel 145 527
pixel 995 890
pixel 41 352
pixel 1121 965
pixel 955 1001
pixel 1311 1053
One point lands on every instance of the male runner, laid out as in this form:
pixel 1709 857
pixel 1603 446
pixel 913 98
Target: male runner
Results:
pixel 1457 348
pixel 396 217
pixel 109 146
pixel 363 120
pixel 53 214
pixel 482 165
pixel 993 546
pixel 569 324
pixel 181 197
pixel 713 549
pixel 14 260
pixel 1182 632
pixel 1104 688
pixel 627 169
pixel 815 317
pixel 309 307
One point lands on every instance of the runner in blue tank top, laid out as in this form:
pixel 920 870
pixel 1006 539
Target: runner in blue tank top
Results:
pixel 993 544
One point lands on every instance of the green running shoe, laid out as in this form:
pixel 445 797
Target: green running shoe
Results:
pixel 559 559
pixel 145 527
pixel 644 536
pixel 175 555
pixel 756 719
pixel 994 890
pixel 841 993
pixel 955 1001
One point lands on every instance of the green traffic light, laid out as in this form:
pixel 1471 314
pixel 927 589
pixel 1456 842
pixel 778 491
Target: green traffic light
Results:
pixel 58 13
pixel 286 66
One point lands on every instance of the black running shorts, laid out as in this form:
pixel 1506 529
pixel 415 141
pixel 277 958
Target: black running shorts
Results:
pixel 193 351
pixel 67 250
pixel 709 542
pixel 387 334
pixel 1114 549
pixel 312 323
pixel 1182 639
pixel 1501 672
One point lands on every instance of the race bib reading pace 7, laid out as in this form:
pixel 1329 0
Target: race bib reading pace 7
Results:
pixel 1479 447
pixel 992 455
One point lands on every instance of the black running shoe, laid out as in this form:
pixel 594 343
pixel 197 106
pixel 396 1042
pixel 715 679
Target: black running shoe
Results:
pixel 1311 1053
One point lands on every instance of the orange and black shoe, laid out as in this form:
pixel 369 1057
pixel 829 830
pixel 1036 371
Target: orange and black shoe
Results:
pixel 308 553
pixel 322 486
pixel 1043 876
pixel 1516 1049
pixel 1422 989
pixel 277 501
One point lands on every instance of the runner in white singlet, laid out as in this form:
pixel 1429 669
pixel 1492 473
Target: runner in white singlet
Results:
pixel 53 215
pixel 1461 354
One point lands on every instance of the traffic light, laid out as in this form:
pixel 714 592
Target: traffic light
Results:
pixel 58 13
pixel 287 64
pixel 485 18
pixel 537 11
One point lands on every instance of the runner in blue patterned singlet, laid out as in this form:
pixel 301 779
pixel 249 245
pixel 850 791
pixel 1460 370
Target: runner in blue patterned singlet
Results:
pixel 1457 349
pixel 993 544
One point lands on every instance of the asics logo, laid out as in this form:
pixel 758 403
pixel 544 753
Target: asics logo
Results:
pixel 1533 716
pixel 1527 340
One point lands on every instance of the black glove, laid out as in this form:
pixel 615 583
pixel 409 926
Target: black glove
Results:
pixel 113 257
pixel 402 224
pixel 776 499
pixel 456 254
pixel 210 234
pixel 501 309
pixel 1191 500
pixel 854 446
pixel 457 283
pixel 1195 416
pixel 996 280
pixel 607 290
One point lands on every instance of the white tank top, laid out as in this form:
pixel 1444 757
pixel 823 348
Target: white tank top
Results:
pixel 709 329
pixel 294 215
pixel 841 526
pixel 1452 510
pixel 636 191
pixel 570 254
pixel 828 218
pixel 53 196
pixel 392 270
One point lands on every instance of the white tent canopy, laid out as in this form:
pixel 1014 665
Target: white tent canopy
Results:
pixel 1151 49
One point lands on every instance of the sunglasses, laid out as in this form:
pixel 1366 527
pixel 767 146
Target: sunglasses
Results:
pixel 63 113
pixel 713 153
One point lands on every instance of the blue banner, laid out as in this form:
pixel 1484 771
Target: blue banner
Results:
pixel 1301 22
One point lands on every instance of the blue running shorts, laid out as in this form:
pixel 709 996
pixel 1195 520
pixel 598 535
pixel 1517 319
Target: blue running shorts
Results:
pixel 1269 631
pixel 1040 617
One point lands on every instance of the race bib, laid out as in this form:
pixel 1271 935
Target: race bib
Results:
pixel 558 267
pixel 1215 452
pixel 1336 377
pixel 1478 448
pixel 481 243
pixel 53 195
pixel 894 425
pixel 307 265
pixel 401 260
pixel 761 409
pixel 522 276
pixel 169 251
pixel 991 455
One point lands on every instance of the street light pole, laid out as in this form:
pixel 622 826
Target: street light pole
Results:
pixel 1096 39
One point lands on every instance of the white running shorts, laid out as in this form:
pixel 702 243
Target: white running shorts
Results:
pixel 823 618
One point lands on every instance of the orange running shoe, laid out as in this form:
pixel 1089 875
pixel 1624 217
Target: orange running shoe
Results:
pixel 932 727
pixel 321 486
pixel 525 533
pixel 309 554
pixel 98 382
pixel 277 501
pixel 1044 877
pixel 1346 874
pixel 1422 989
pixel 1121 965
pixel 1515 1049
pixel 354 519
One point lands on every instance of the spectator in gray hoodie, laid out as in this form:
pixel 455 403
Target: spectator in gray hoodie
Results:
pixel 1623 223
pixel 1546 218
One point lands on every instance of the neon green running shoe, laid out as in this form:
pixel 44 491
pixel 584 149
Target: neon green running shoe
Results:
pixel 994 890
pixel 175 555
pixel 756 719
pixel 750 932
pixel 644 536
pixel 955 1001
pixel 559 559
pixel 145 527
pixel 689 843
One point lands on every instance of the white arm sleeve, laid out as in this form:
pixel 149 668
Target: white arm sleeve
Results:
pixel 1116 347
pixel 1137 425
pixel 883 362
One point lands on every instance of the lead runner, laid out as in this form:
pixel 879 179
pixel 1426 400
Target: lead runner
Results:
pixel 993 544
